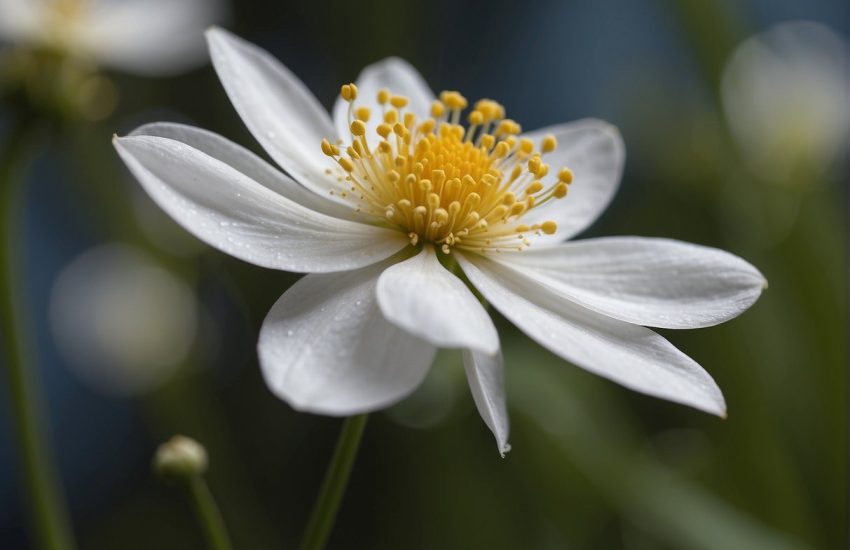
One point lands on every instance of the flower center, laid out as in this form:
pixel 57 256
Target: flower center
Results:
pixel 68 9
pixel 62 20
pixel 444 183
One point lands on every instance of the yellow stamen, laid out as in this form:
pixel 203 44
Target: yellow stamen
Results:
pixel 348 92
pixel 443 183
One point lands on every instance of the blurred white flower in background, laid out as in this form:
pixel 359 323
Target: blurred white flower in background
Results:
pixel 146 37
pixel 123 322
pixel 786 96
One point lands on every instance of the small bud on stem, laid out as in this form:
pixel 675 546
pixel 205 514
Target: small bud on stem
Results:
pixel 179 458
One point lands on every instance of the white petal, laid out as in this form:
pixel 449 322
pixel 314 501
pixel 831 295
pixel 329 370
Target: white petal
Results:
pixel 325 347
pixel 230 211
pixel 282 114
pixel 20 20
pixel 594 151
pixel 148 37
pixel 653 282
pixel 246 162
pixel 628 354
pixel 487 382
pixel 397 76
pixel 422 297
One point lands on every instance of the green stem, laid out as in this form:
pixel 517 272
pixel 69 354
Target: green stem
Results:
pixel 333 487
pixel 208 514
pixel 47 508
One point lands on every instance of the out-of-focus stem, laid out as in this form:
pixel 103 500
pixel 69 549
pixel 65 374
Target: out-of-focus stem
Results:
pixel 208 514
pixel 49 519
pixel 333 487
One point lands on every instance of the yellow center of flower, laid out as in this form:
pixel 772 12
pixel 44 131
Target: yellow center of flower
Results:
pixel 68 9
pixel 62 20
pixel 442 182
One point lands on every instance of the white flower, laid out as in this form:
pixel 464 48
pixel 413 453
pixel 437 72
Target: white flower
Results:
pixel 148 37
pixel 401 200
pixel 786 95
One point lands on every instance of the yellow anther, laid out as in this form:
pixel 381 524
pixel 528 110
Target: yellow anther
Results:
pixel 516 173
pixel 534 164
pixel 409 120
pixel 399 130
pixel 549 143
pixel 522 228
pixel 565 175
pixel 535 187
pixel 526 146
pixel 453 100
pixel 542 170
pixel 508 126
pixel 502 149
pixel 383 96
pixel 427 126
pixel 391 116
pixel 399 101
pixel 384 130
pixel 358 128
pixel 508 199
pixel 476 118
pixel 385 147
pixel 487 141
pixel 437 109
pixel 490 109
pixel 348 92
pixel 329 149
pixel 549 227
pixel 362 113
pixel 346 164
pixel 517 208
pixel 560 190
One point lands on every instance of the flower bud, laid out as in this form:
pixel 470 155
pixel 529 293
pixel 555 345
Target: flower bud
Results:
pixel 179 458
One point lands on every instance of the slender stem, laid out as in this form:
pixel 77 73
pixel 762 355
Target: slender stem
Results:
pixel 333 487
pixel 208 514
pixel 47 508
